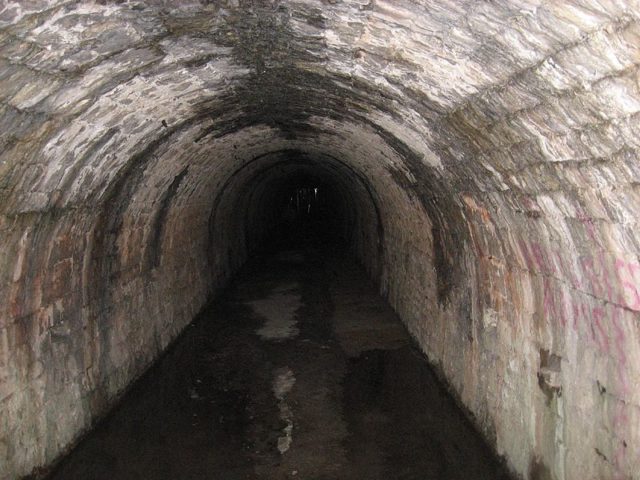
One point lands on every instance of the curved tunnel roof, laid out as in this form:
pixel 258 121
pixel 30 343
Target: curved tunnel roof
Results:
pixel 494 144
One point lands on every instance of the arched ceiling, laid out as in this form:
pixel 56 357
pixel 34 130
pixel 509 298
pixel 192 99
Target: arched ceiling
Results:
pixel 499 140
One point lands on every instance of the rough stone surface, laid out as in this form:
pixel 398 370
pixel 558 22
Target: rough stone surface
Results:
pixel 486 154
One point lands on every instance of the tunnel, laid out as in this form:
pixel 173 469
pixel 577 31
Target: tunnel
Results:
pixel 478 159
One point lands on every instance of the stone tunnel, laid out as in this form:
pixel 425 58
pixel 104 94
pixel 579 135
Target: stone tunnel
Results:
pixel 481 158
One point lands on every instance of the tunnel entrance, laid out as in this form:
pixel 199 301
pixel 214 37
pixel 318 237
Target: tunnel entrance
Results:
pixel 291 197
pixel 299 370
pixel 479 159
pixel 307 211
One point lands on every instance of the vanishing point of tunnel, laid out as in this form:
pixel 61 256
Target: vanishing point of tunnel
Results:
pixel 320 239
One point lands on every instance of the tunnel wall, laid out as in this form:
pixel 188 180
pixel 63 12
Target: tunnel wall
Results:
pixel 498 139
pixel 134 271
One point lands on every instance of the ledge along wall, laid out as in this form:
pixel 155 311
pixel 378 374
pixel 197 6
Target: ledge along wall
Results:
pixel 485 153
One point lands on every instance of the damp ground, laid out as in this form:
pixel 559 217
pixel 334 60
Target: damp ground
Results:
pixel 298 370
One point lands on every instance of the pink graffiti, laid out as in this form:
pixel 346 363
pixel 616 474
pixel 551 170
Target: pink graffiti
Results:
pixel 626 274
pixel 612 279
pixel 615 280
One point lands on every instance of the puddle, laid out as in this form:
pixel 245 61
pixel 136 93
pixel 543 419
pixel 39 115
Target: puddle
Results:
pixel 279 310
pixel 282 385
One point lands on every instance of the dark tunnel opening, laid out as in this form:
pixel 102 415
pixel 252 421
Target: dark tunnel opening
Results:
pixel 302 205
pixel 307 209
pixel 286 199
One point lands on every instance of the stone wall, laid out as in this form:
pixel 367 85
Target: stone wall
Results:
pixel 489 152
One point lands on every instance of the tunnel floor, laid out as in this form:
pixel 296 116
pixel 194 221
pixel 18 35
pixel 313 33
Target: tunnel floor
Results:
pixel 298 370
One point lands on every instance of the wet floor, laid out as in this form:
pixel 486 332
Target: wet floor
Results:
pixel 299 370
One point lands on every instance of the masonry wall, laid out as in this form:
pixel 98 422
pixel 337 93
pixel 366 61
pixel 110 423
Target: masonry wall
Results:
pixel 490 150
